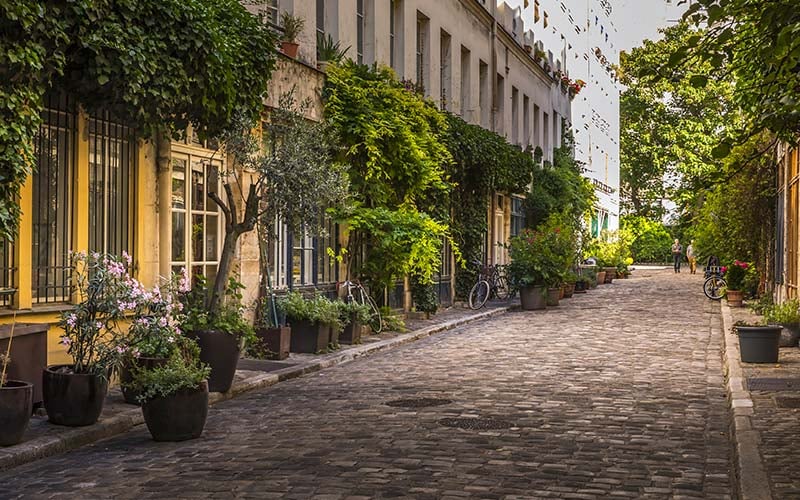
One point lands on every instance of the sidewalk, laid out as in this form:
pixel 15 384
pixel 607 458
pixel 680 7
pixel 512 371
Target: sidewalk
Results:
pixel 765 400
pixel 43 439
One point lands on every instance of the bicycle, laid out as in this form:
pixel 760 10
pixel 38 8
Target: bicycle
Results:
pixel 491 282
pixel 362 297
pixel 714 285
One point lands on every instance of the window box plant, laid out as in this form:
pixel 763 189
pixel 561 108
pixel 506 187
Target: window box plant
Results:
pixel 734 277
pixel 758 343
pixel 74 393
pixel 787 315
pixel 292 27
pixel 16 402
pixel 220 334
pixel 174 396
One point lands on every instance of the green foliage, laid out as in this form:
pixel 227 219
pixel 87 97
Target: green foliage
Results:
pixel 183 370
pixel 353 311
pixel 392 322
pixel 559 188
pixel 228 318
pixel 483 163
pixel 328 50
pixel 735 275
pixel 612 249
pixel 318 309
pixel 542 256
pixel 783 314
pixel 292 26
pixel 650 240
pixel 424 296
pixel 154 64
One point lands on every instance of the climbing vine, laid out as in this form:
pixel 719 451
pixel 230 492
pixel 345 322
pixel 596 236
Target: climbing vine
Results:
pixel 156 65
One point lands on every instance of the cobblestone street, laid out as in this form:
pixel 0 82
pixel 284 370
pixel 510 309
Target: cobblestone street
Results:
pixel 617 393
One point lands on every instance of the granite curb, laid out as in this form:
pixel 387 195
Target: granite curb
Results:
pixel 751 475
pixel 46 446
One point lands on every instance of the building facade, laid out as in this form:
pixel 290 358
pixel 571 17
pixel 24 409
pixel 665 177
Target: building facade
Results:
pixel 581 36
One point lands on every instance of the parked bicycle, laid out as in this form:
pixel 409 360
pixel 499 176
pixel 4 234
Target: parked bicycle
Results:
pixel 491 282
pixel 356 293
pixel 714 285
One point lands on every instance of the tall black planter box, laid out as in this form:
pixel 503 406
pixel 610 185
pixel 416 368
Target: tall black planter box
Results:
pixel 309 337
pixel 277 340
pixel 351 333
pixel 28 354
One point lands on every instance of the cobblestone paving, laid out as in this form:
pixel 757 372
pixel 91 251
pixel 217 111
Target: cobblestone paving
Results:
pixel 777 424
pixel 615 394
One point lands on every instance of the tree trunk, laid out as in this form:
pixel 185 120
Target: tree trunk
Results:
pixel 223 271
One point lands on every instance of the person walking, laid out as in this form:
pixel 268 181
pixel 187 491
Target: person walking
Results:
pixel 677 253
pixel 691 258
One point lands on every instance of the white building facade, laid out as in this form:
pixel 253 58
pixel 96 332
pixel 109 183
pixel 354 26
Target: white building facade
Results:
pixel 582 36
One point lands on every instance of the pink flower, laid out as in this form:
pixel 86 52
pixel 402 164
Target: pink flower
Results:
pixel 65 340
pixel 72 319
pixel 162 322
pixel 127 257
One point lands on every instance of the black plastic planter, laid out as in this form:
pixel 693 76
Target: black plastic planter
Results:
pixel 16 405
pixel 309 337
pixel 179 416
pixel 126 375
pixel 73 399
pixel 759 344
pixel 220 350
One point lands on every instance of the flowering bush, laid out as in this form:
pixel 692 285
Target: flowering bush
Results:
pixel 541 257
pixel 735 274
pixel 92 331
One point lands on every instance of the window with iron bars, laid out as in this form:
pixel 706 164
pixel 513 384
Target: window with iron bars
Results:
pixel 7 273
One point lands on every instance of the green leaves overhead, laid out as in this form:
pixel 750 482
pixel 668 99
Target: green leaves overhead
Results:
pixel 154 64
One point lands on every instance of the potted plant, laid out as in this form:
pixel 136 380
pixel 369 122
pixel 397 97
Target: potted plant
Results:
pixel 16 402
pixel 538 54
pixel 220 333
pixel 787 315
pixel 538 259
pixel 292 27
pixel 758 343
pixel 174 396
pixel 328 51
pixel 272 332
pixel 353 316
pixel 311 321
pixel 582 284
pixel 154 331
pixel 74 393
pixel 734 278
pixel 570 280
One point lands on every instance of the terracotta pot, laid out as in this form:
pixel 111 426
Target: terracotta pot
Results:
pixel 16 406
pixel 532 298
pixel 553 296
pixel 569 289
pixel 179 416
pixel 611 273
pixel 73 399
pixel 126 376
pixel 734 297
pixel 601 277
pixel 289 48
pixel 220 350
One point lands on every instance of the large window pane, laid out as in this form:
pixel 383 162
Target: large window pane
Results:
pixel 211 237
pixel 198 236
pixel 178 183
pixel 178 236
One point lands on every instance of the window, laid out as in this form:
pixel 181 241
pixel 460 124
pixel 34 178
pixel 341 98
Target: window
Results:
pixel 271 8
pixel 546 136
pixel 396 36
pixel 422 50
pixel 53 202
pixel 536 11
pixel 526 121
pixel 360 31
pixel 499 106
pixel 514 115
pixel 7 271
pixel 196 224
pixel 537 127
pixel 517 215
pixel 445 72
pixel 466 64
pixel 320 18
pixel 483 92
pixel 310 263
pixel 112 163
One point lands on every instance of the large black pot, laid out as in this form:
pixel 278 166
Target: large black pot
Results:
pixel 352 332
pixel 16 405
pixel 220 351
pixel 759 344
pixel 179 416
pixel 532 298
pixel 73 399
pixel 309 337
pixel 126 375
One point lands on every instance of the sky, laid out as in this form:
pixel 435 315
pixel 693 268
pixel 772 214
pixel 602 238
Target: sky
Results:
pixel 637 20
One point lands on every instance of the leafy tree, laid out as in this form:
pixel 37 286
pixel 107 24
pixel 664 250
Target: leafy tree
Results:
pixel 156 65
pixel 650 241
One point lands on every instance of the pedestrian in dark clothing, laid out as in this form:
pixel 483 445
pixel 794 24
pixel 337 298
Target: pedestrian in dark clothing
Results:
pixel 677 252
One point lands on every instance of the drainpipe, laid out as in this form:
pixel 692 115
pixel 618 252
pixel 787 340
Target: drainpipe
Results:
pixel 493 69
pixel 163 158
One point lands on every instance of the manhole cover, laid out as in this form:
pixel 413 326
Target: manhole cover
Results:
pixel 418 402
pixel 788 402
pixel 773 384
pixel 479 424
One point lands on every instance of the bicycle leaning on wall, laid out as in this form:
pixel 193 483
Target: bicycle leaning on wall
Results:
pixel 356 293
pixel 491 282
pixel 714 285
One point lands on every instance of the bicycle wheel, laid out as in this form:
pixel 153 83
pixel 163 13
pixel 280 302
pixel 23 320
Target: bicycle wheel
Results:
pixel 713 287
pixel 501 290
pixel 479 294
pixel 375 321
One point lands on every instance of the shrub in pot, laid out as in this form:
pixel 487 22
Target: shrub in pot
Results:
pixel 353 315
pixel 273 335
pixel 174 396
pixel 74 393
pixel 313 321
pixel 220 333
pixel 292 27
pixel 535 263
pixel 328 51
pixel 787 315
pixel 734 277
pixel 16 405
